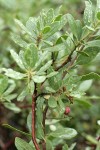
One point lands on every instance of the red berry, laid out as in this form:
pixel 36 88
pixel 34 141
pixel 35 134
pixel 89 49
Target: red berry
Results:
pixel 67 110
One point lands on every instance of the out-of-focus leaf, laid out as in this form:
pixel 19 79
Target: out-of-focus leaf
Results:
pixel 3 83
pixel 83 102
pixel 15 129
pixel 22 145
pixel 10 97
pixel 72 146
pixel 49 145
pixel 52 103
pixel 12 107
pixel 23 94
pixel 10 88
pixel 85 85
pixel 65 147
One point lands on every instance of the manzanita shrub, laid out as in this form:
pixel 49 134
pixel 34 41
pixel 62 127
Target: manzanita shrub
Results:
pixel 47 73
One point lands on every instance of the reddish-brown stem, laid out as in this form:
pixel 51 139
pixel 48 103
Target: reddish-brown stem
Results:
pixel 33 122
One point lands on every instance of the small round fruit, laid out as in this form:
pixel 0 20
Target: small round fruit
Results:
pixel 67 110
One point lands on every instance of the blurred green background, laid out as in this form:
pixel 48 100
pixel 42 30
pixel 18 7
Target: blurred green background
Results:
pixel 84 116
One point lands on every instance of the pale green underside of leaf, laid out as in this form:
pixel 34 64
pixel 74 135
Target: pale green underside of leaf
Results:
pixel 38 79
pixel 18 40
pixel 12 107
pixel 17 59
pixel 65 133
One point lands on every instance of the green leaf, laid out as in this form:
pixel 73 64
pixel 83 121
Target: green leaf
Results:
pixel 48 42
pixel 49 145
pixel 98 146
pixel 98 6
pixel 98 15
pixel 83 102
pixel 49 16
pixel 10 89
pixel 95 43
pixel 85 85
pixel 17 59
pixel 22 145
pixel 90 28
pixel 22 95
pixel 10 97
pixel 72 146
pixel 79 29
pixel 39 117
pixel 17 39
pixel 52 103
pixel 42 58
pixel 64 133
pixel 55 26
pixel 52 74
pixel 83 53
pixel 29 122
pixel 15 129
pixel 58 18
pixel 22 26
pixel 91 51
pixel 45 67
pixel 13 74
pixel 88 13
pixel 46 29
pixel 21 55
pixel 31 55
pixel 39 111
pixel 91 75
pixel 31 25
pixel 49 89
pixel 91 139
pixel 38 79
pixel 12 107
pixel 3 83
pixel 31 87
pixel 72 24
pixel 65 147
pixel 61 106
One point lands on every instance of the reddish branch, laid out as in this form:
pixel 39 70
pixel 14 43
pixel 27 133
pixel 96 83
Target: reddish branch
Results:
pixel 33 121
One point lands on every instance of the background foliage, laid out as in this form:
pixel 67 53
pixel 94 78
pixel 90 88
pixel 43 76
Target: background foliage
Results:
pixel 84 116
